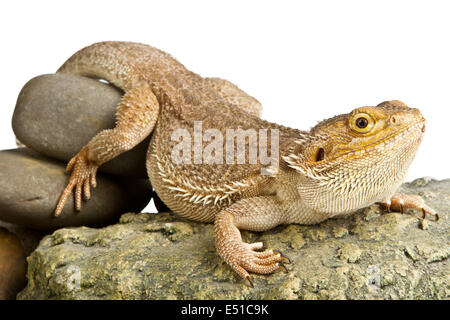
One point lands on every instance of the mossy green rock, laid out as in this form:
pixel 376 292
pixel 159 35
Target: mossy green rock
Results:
pixel 369 255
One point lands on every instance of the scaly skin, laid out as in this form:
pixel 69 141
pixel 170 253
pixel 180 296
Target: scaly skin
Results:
pixel 344 163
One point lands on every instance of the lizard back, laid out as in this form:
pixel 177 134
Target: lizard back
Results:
pixel 185 98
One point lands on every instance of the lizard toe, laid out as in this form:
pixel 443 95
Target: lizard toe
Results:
pixel 81 178
pixel 261 269
pixel 246 260
pixel 268 260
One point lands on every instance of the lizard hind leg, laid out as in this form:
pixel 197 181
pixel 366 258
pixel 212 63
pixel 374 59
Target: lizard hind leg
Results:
pixel 257 214
pixel 136 117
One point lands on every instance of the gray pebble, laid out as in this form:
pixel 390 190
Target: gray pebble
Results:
pixel 31 184
pixel 57 114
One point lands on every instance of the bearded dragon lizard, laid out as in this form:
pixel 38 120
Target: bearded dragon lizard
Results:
pixel 344 163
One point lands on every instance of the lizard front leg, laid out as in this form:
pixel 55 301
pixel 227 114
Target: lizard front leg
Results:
pixel 136 117
pixel 255 214
pixel 401 202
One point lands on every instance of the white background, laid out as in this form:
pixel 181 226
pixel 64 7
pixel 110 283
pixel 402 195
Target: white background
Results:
pixel 304 60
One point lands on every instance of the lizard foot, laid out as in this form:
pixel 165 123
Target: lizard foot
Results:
pixel 82 178
pixel 401 202
pixel 255 214
pixel 245 258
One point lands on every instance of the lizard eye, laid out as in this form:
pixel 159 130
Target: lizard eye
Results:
pixel 361 122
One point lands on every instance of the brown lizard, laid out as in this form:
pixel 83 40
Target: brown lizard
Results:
pixel 342 164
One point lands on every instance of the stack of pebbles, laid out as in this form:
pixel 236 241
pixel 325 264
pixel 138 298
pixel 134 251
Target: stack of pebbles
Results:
pixel 55 116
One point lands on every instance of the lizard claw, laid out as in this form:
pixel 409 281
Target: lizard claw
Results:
pixel 82 178
pixel 401 202
pixel 249 280
pixel 282 266
pixel 286 259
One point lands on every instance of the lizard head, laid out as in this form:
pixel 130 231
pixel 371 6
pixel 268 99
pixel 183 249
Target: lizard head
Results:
pixel 355 159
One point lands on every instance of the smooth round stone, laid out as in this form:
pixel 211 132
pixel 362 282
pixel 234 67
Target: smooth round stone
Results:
pixel 58 114
pixel 30 186
pixel 29 238
pixel 13 265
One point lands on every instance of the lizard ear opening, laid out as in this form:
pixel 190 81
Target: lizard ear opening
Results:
pixel 320 154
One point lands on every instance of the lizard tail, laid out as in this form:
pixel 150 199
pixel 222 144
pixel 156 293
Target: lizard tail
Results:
pixel 110 60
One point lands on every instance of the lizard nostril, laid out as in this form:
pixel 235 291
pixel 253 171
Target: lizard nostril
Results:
pixel 393 120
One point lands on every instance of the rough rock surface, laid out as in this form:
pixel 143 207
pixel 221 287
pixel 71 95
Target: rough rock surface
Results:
pixel 370 255
pixel 57 114
pixel 30 186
